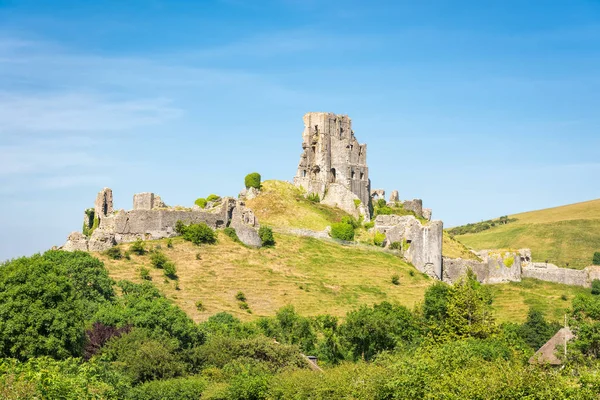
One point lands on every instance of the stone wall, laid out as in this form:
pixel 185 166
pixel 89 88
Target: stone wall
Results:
pixel 494 267
pixel 423 242
pixel 151 219
pixel 559 275
pixel 332 155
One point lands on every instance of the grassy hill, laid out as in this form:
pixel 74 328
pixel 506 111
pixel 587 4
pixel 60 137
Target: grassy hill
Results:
pixel 568 234
pixel 315 276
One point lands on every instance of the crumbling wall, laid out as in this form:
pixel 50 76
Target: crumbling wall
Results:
pixel 559 275
pixel 422 244
pixel 332 155
pixel 494 267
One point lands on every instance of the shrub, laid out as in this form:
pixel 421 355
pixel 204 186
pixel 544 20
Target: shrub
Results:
pixel 230 232
pixel 314 198
pixel 564 297
pixel 145 274
pixel 213 198
pixel 252 180
pixel 198 256
pixel 350 221
pixel 266 236
pixel 244 306
pixel 396 279
pixel 158 259
pixel 98 335
pixel 138 247
pixel 170 243
pixel 240 296
pixel 200 306
pixel 357 203
pixel 379 239
pixel 596 259
pixel 369 225
pixel 200 202
pixel 411 272
pixel 596 287
pixel 180 227
pixel 342 231
pixel 396 246
pixel 188 388
pixel 381 203
pixel 509 261
pixel 170 270
pixel 199 234
pixel 114 253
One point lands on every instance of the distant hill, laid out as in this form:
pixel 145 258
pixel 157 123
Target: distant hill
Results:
pixel 568 234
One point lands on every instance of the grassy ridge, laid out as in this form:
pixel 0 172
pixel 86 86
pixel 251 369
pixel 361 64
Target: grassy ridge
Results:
pixel 561 235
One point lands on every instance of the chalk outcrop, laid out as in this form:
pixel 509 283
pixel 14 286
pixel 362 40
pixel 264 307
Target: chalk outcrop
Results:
pixel 333 164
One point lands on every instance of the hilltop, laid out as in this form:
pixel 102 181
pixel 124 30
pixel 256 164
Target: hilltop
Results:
pixel 317 276
pixel 568 234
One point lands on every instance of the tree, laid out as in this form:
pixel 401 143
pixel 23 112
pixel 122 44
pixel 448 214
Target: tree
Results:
pixel 266 236
pixel 536 331
pixel 596 258
pixel 253 180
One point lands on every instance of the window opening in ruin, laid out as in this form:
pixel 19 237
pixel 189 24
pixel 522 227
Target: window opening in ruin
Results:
pixel 304 173
pixel 362 176
pixel 104 207
pixel 353 174
pixel 333 177
pixel 408 241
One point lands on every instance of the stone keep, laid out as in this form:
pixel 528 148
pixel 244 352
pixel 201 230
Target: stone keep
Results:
pixel 333 164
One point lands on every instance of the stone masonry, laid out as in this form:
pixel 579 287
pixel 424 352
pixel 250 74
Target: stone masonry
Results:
pixel 152 219
pixel 333 164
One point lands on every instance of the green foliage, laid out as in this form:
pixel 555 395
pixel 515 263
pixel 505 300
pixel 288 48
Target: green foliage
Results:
pixel 596 287
pixel 357 203
pixel 213 198
pixel 370 330
pixel 114 253
pixel 145 274
pixel 169 243
pixel 158 259
pixel 92 222
pixel 199 305
pixel 201 202
pixel 596 258
pixel 240 296
pixel 252 180
pixel 396 246
pixel 350 221
pixel 138 247
pixel 289 327
pixel 170 271
pixel 342 231
pixel 197 233
pixel 266 236
pixel 509 261
pixel 480 226
pixel 369 225
pixel 143 355
pixel 45 300
pixel 188 388
pixel 230 232
pixel 143 306
pixel 435 303
pixel 313 198
pixel 536 331
pixel 396 279
pixel 379 239
pixel 381 203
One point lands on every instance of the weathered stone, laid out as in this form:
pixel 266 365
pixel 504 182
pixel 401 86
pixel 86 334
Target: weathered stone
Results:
pixel 339 196
pixel 415 206
pixel 394 197
pixel 244 223
pixel 143 201
pixel 427 213
pixel 103 206
pixel 423 242
pixel 494 267
pixel 101 240
pixel 158 202
pixel 332 155
pixel 76 241
pixel 252 193
pixel 377 194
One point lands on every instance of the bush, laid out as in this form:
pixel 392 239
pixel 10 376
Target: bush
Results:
pixel 198 233
pixel 381 203
pixel 596 259
pixel 314 198
pixel 158 259
pixel 266 236
pixel 188 388
pixel 379 239
pixel 357 203
pixel 114 253
pixel 138 247
pixel 170 270
pixel 396 279
pixel 145 274
pixel 243 305
pixel 252 180
pixel 369 225
pixel 230 232
pixel 200 306
pixel 213 198
pixel 169 243
pixel 342 231
pixel 596 287
pixel 396 246
pixel 201 202
pixel 350 221
pixel 240 296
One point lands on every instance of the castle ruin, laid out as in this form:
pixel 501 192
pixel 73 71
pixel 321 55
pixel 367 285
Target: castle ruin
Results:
pixel 333 164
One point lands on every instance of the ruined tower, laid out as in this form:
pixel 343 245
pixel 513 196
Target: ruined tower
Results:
pixel 333 164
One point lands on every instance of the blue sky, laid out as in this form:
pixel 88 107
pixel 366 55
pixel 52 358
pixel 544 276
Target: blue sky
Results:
pixel 480 108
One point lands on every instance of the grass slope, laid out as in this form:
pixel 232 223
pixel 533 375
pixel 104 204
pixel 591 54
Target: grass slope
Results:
pixel 568 234
pixel 315 276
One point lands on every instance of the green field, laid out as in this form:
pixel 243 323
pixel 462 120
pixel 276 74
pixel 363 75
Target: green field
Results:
pixel 562 235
